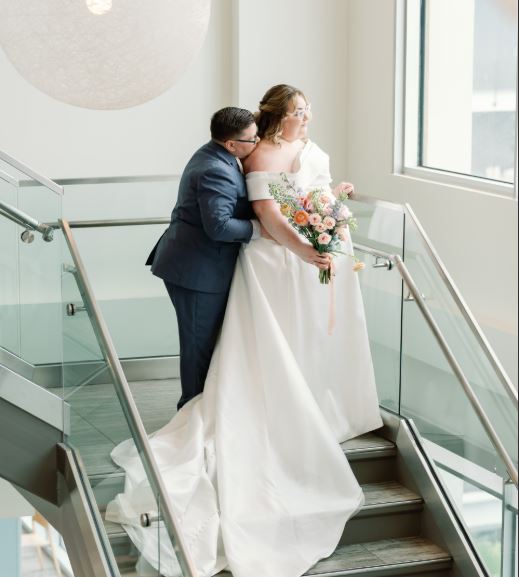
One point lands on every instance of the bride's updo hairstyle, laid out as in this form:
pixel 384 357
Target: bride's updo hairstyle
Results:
pixel 272 110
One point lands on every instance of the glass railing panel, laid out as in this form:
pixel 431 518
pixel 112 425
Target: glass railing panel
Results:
pixel 469 467
pixel 9 275
pixel 463 342
pixel 381 227
pixel 100 422
pixel 132 197
pixel 135 303
pixel 40 287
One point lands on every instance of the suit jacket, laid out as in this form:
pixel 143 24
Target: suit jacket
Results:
pixel 208 225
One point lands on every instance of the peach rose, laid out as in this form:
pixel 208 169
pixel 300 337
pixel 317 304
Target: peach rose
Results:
pixel 301 218
pixel 358 266
pixel 320 227
pixel 324 238
pixel 329 223
pixel 315 219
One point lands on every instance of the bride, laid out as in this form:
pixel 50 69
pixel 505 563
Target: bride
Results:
pixel 253 466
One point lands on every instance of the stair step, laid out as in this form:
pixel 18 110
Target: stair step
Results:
pixel 386 497
pixel 369 446
pixel 381 499
pixel 363 451
pixel 382 559
pixel 388 557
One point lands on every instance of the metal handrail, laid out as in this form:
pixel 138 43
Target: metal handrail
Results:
pixel 451 359
pixel 458 371
pixel 47 182
pixel 465 311
pixel 117 223
pixel 9 179
pixel 28 222
pixel 128 405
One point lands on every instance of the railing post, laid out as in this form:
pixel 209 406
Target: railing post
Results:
pixel 509 531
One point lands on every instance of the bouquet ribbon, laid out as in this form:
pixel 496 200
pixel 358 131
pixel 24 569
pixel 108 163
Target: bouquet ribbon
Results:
pixel 331 310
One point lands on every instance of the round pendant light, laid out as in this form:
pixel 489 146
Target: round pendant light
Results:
pixel 102 54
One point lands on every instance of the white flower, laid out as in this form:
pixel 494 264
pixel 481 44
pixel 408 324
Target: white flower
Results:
pixel 345 213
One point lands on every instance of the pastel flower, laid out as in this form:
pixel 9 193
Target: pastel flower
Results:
pixel 324 238
pixel 327 209
pixel 345 213
pixel 343 189
pixel 315 219
pixel 320 227
pixel 358 266
pixel 301 218
pixel 329 223
pixel 285 210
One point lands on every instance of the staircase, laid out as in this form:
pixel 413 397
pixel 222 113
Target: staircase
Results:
pixel 385 538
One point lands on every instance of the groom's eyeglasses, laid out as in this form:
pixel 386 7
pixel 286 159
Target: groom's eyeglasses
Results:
pixel 255 140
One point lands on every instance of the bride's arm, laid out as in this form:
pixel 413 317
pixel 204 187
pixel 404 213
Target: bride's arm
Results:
pixel 280 230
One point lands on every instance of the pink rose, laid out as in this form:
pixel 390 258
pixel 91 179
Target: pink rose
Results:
pixel 329 223
pixel 320 227
pixel 343 188
pixel 324 238
pixel 315 219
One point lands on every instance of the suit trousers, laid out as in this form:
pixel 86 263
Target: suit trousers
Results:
pixel 200 317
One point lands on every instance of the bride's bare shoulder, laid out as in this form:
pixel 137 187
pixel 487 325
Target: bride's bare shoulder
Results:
pixel 261 159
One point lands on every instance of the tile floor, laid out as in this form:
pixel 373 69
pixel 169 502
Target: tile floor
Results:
pixel 31 565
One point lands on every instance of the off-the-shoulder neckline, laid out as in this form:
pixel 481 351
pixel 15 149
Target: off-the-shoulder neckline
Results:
pixel 297 158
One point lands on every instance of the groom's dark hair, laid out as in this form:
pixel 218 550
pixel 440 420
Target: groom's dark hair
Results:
pixel 230 122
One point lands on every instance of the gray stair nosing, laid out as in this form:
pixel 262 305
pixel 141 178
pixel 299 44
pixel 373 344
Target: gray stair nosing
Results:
pixel 387 508
pixel 403 568
pixel 370 453
pixel 360 454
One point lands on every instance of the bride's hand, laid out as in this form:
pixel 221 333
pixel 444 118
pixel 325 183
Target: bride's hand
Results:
pixel 344 187
pixel 308 253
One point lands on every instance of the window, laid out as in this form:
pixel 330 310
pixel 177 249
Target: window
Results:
pixel 461 92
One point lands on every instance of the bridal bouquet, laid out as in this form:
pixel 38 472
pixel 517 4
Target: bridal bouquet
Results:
pixel 322 218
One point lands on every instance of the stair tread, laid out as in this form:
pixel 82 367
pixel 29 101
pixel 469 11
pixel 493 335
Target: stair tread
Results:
pixel 376 494
pixel 384 553
pixel 389 492
pixel 98 462
pixel 378 555
pixel 369 442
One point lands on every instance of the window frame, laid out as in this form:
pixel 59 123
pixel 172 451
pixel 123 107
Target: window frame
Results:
pixel 409 98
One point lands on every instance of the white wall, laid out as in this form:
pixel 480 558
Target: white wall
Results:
pixel 474 233
pixel 158 137
pixel 303 43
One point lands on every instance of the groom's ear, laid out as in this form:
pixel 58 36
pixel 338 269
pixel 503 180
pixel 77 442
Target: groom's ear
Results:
pixel 230 145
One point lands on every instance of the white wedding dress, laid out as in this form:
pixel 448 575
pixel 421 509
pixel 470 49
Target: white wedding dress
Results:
pixel 253 466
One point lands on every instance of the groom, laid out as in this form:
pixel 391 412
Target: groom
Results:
pixel 197 254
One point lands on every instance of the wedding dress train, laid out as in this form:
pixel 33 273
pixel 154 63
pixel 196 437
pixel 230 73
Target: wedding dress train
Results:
pixel 253 466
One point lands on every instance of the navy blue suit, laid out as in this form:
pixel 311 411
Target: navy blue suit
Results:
pixel 196 256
